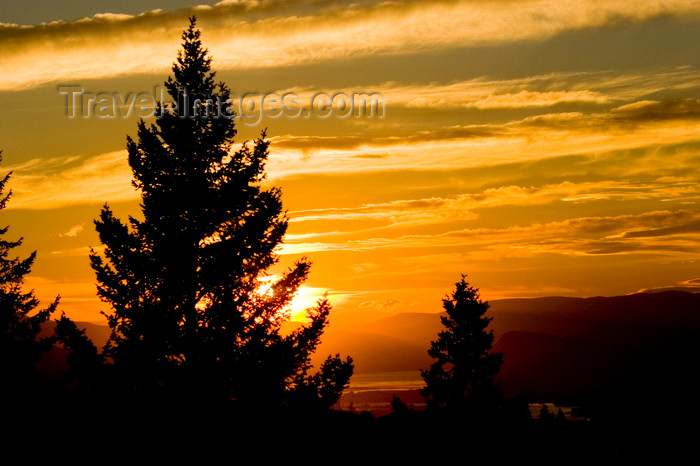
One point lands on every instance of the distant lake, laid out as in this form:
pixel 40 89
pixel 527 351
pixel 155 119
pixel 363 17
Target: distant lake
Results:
pixel 391 382
pixel 386 381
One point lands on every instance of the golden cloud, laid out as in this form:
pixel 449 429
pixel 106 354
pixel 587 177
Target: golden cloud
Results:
pixel 250 34
pixel 51 183
pixel 576 236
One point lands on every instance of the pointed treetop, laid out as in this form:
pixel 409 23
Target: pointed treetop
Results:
pixel 192 69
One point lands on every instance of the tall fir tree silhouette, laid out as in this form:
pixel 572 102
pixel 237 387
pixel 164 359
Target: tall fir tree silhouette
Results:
pixel 461 378
pixel 189 315
pixel 21 345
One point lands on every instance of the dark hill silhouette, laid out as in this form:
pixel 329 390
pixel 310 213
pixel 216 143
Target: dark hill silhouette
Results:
pixel 554 368
pixel 569 316
pixel 624 365
pixel 54 362
pixel 629 350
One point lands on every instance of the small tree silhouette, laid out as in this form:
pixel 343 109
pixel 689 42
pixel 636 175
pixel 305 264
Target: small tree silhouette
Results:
pixel 561 418
pixel 546 416
pixel 461 378
pixel 398 407
pixel 20 322
pixel 191 317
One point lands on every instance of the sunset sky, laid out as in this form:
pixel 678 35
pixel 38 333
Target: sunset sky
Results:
pixel 541 147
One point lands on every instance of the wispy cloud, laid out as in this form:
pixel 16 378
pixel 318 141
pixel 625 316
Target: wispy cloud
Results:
pixel 595 87
pixel 73 231
pixel 575 236
pixel 464 207
pixel 58 182
pixel 692 285
pixel 642 125
pixel 251 34
pixel 529 99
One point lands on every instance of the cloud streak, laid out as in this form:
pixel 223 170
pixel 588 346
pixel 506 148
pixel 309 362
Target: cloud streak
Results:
pixel 251 34
pixel 462 207
pixel 645 125
pixel 576 236
pixel 58 182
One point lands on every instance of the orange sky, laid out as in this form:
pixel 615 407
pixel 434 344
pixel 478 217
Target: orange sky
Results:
pixel 558 157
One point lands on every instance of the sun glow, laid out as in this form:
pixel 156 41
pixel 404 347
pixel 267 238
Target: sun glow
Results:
pixel 305 298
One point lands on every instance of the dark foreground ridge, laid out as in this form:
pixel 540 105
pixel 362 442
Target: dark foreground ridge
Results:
pixel 208 432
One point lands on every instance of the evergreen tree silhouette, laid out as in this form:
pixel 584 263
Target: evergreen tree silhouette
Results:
pixel 189 313
pixel 21 345
pixel 398 407
pixel 461 378
pixel 561 418
pixel 546 416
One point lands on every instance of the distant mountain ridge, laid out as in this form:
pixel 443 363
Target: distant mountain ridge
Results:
pixel 568 316
pixel 558 348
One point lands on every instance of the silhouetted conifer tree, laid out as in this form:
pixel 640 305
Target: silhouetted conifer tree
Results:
pixel 546 416
pixel 462 375
pixel 561 418
pixel 398 407
pixel 189 315
pixel 20 322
